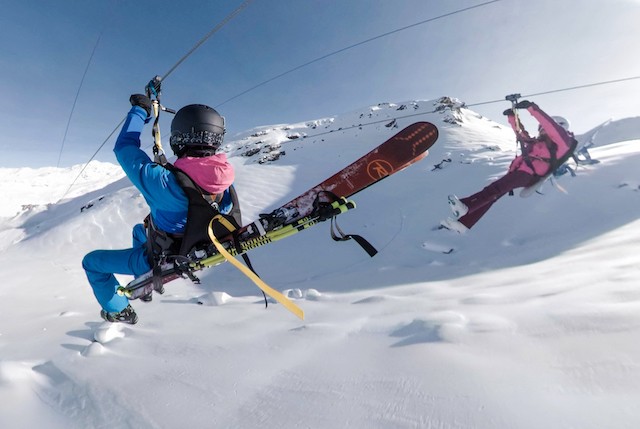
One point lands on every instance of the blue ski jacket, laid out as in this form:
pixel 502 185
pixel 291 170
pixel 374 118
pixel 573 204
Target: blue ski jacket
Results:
pixel 159 187
pixel 168 204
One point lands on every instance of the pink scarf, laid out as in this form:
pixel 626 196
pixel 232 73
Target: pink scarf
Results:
pixel 214 174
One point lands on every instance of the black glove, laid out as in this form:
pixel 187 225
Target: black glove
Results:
pixel 523 104
pixel 508 112
pixel 142 101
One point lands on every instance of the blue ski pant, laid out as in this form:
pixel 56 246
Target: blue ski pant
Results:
pixel 101 265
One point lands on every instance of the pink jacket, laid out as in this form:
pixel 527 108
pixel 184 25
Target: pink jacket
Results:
pixel 536 157
pixel 214 174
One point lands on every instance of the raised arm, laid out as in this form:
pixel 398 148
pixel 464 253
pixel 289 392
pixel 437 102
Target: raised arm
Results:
pixel 556 133
pixel 518 128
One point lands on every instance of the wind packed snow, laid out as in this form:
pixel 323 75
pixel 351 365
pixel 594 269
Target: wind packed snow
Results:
pixel 531 320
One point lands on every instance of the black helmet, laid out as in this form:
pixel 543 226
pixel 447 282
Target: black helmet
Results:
pixel 196 130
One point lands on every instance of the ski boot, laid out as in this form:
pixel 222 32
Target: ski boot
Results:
pixel 453 225
pixel 458 208
pixel 128 315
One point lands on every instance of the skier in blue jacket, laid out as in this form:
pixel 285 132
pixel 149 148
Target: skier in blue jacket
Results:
pixel 197 132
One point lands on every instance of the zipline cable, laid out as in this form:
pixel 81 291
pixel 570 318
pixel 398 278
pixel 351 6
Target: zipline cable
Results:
pixel 75 100
pixel 92 156
pixel 353 46
pixel 208 35
pixel 246 3
pixel 237 11
pixel 502 100
pixel 180 61
pixel 570 88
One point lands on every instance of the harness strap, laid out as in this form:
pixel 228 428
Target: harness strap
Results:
pixel 158 246
pixel 159 243
pixel 224 222
pixel 326 210
pixel 338 235
pixel 528 159
pixel 231 229
pixel 153 92
pixel 266 289
pixel 213 198
pixel 247 261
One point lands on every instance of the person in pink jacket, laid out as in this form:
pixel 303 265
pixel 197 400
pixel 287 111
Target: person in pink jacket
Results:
pixel 538 158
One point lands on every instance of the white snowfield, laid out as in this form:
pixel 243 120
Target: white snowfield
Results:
pixel 531 321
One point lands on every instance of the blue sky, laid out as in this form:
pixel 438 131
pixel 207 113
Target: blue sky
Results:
pixel 477 56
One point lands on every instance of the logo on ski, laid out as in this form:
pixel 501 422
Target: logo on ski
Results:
pixel 377 169
pixel 427 138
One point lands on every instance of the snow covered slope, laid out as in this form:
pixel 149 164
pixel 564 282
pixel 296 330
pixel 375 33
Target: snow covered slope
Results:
pixel 531 320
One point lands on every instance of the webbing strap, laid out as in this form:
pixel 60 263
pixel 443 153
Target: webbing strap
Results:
pixel 158 151
pixel 231 228
pixel 328 211
pixel 247 261
pixel 223 221
pixel 268 290
pixel 338 235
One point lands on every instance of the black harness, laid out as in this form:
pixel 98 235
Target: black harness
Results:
pixel 201 209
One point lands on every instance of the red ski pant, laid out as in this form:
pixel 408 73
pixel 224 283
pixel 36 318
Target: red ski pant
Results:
pixel 482 201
